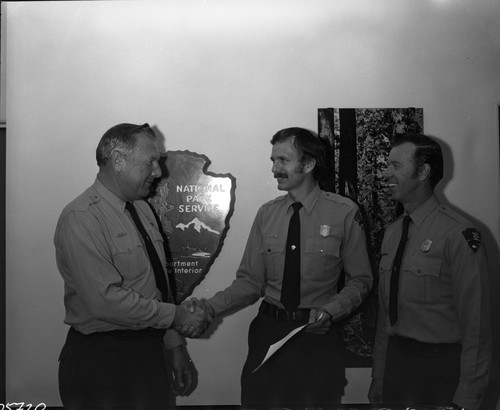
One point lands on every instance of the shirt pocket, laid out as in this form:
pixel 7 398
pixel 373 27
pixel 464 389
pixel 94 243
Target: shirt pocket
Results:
pixel 273 251
pixel 422 280
pixel 322 256
pixel 129 256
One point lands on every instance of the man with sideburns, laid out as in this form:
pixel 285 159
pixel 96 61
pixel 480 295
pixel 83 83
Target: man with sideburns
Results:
pixel 433 339
pixel 297 248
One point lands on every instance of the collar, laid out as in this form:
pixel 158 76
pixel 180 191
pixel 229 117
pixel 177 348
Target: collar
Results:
pixel 418 215
pixel 308 202
pixel 109 196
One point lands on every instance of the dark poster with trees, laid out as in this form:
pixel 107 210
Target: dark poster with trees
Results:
pixel 359 140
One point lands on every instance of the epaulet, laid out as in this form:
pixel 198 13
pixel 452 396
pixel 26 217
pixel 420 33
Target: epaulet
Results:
pixel 84 201
pixel 471 234
pixel 331 196
pixel 275 200
pixel 454 215
pixel 345 201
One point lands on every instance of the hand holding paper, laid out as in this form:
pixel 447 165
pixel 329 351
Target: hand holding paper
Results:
pixel 276 346
pixel 320 322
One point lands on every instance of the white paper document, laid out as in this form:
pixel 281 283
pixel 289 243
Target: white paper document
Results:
pixel 276 346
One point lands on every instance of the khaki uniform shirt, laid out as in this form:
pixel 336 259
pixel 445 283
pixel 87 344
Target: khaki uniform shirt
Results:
pixel 109 282
pixel 332 239
pixel 443 293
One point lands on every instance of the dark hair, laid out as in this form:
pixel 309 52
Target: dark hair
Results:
pixel 427 151
pixel 308 146
pixel 120 136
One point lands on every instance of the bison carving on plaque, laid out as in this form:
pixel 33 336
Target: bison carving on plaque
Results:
pixel 193 207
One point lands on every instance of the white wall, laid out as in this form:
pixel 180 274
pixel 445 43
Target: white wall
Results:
pixel 219 77
pixel 2 70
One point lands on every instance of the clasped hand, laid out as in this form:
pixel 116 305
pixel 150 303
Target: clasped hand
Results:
pixel 193 317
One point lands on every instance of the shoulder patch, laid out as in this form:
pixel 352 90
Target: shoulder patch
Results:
pixel 83 202
pixel 473 238
pixel 454 215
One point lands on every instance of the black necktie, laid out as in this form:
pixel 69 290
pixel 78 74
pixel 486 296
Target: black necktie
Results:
pixel 290 292
pixel 393 298
pixel 161 279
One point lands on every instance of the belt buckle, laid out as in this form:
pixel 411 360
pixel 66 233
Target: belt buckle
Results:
pixel 293 315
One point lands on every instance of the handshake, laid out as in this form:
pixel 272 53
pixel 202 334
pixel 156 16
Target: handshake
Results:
pixel 193 317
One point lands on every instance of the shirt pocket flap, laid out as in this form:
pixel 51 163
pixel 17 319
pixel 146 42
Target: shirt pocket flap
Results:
pixel 327 246
pixel 424 266
pixel 273 245
pixel 124 243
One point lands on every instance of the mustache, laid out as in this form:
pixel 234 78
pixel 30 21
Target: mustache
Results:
pixel 280 175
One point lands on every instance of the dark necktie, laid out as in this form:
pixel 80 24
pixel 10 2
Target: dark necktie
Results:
pixel 393 298
pixel 161 279
pixel 290 292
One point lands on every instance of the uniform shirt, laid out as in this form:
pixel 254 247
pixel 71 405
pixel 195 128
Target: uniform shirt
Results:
pixel 332 239
pixel 109 282
pixel 443 293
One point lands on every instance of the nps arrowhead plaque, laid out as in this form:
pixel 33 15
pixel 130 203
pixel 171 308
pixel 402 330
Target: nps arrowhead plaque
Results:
pixel 193 207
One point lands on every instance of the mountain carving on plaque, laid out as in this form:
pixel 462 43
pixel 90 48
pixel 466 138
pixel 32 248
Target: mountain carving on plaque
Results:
pixel 193 207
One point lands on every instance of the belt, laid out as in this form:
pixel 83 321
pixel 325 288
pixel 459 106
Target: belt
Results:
pixel 416 346
pixel 283 314
pixel 125 334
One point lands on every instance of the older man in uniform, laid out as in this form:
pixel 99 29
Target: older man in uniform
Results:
pixel 433 336
pixel 124 322
pixel 308 370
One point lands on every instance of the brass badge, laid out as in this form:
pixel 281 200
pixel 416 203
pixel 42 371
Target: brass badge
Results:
pixel 324 230
pixel 426 245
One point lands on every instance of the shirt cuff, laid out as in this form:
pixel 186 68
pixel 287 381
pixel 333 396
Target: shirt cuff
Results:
pixel 166 314
pixel 172 339
pixel 335 309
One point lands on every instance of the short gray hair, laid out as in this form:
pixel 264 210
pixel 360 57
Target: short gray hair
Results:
pixel 120 136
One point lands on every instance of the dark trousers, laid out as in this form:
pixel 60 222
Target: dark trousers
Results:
pixel 118 369
pixel 307 371
pixel 421 373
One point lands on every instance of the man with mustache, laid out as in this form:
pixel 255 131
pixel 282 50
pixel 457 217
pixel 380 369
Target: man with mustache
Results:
pixel 308 370
pixel 433 342
pixel 123 319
